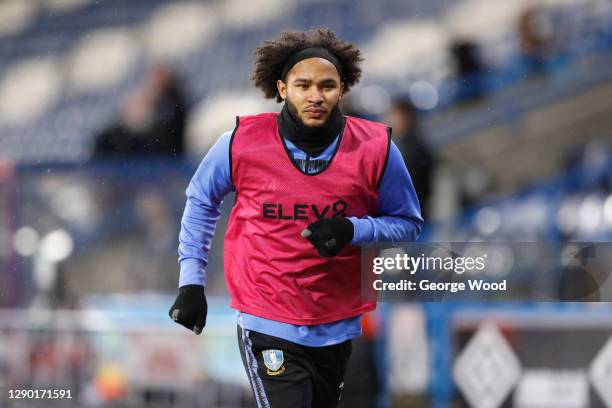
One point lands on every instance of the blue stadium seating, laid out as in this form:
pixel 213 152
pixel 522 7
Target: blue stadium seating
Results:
pixel 224 64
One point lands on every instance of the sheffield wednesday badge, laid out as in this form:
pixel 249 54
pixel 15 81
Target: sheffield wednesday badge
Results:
pixel 273 359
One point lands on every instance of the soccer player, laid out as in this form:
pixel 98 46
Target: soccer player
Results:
pixel 311 186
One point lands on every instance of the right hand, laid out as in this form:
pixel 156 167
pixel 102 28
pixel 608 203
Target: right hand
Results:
pixel 190 308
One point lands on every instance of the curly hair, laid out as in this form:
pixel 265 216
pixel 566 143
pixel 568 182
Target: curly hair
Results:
pixel 271 56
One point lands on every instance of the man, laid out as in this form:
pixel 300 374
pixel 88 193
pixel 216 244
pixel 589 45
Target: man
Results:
pixel 418 157
pixel 311 185
pixel 152 119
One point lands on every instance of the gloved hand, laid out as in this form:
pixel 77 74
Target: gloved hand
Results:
pixel 329 235
pixel 190 308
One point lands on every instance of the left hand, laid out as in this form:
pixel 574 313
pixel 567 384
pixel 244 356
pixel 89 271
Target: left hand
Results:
pixel 329 235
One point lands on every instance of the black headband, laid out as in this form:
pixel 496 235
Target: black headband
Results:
pixel 312 52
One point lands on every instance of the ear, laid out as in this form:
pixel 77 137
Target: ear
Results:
pixel 282 89
pixel 341 89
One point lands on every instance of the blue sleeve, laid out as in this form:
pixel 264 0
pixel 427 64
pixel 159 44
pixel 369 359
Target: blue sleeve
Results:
pixel 400 213
pixel 205 193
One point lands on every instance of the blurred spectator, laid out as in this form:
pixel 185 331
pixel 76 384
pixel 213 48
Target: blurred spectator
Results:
pixel 152 119
pixel 535 35
pixel 420 161
pixel 363 377
pixel 468 69
pixel 62 295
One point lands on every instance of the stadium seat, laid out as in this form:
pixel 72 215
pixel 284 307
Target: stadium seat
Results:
pixel 177 29
pixel 15 15
pixel 28 89
pixel 102 58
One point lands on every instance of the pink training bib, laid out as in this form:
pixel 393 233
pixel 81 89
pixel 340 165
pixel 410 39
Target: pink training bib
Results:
pixel 270 270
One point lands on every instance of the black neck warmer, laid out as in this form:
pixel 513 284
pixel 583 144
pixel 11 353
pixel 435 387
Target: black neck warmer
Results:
pixel 311 140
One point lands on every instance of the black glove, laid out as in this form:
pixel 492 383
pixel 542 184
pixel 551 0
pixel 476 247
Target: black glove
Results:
pixel 329 235
pixel 190 308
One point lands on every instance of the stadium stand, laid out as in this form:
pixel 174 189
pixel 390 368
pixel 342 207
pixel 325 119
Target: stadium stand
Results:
pixel 98 50
pixel 525 159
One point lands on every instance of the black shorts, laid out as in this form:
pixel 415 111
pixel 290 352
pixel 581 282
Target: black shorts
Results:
pixel 285 374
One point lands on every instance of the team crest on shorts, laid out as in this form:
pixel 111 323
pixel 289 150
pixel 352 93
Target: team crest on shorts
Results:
pixel 273 359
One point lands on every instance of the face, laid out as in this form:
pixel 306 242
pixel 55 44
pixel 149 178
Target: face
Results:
pixel 399 121
pixel 313 89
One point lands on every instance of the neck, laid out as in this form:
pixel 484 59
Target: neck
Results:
pixel 311 140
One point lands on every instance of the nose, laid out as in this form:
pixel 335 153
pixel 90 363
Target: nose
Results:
pixel 315 95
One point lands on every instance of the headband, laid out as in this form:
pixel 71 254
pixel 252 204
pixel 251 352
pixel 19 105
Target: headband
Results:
pixel 312 52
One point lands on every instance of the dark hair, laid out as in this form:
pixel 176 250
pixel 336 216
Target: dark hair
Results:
pixel 405 106
pixel 270 57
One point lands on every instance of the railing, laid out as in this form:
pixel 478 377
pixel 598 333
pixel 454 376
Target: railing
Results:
pixel 121 355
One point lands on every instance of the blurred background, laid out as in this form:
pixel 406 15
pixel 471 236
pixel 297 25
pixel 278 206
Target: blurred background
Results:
pixel 502 110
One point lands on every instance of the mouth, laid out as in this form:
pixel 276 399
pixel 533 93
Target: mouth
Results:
pixel 315 113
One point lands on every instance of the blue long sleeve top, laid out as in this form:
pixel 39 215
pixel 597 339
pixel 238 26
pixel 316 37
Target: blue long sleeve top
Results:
pixel 399 221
